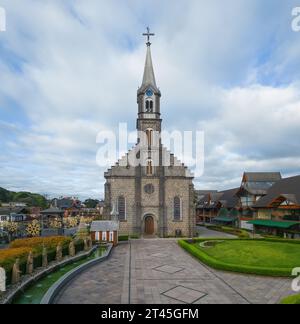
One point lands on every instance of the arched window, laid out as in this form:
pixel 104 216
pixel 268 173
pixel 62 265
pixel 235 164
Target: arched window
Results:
pixel 122 208
pixel 149 133
pixel 149 106
pixel 149 168
pixel 177 209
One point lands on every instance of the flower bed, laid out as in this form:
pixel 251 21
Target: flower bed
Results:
pixel 19 249
pixel 8 256
pixel 39 242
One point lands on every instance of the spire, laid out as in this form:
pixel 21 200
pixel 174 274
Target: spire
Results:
pixel 149 77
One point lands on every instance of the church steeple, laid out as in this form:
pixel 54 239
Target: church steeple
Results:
pixel 149 77
pixel 148 96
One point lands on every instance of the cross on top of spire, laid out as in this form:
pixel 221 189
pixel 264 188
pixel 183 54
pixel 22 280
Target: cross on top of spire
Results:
pixel 148 35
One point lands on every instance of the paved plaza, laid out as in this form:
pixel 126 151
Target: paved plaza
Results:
pixel 155 271
pixel 204 232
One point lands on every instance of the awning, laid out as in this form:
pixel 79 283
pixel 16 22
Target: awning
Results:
pixel 225 219
pixel 271 223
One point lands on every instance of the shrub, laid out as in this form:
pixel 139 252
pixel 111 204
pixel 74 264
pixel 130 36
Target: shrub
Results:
pixel 230 230
pixel 10 255
pixel 37 261
pixel 8 258
pixel 20 249
pixel 36 243
pixel 134 236
pixel 123 238
pixel 79 245
pixel 51 255
pixel 220 265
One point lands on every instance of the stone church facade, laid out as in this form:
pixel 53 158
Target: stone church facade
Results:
pixel 150 189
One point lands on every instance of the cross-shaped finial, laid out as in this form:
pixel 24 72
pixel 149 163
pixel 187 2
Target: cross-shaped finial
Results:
pixel 148 34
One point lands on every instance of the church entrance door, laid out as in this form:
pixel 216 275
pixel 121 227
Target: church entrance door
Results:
pixel 149 225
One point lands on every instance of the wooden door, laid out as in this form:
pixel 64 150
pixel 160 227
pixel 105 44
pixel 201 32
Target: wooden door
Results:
pixel 149 225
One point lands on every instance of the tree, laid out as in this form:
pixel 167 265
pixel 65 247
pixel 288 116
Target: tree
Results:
pixel 91 203
pixel 31 199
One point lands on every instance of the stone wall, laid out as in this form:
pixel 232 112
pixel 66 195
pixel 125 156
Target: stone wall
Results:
pixel 181 188
pixel 150 204
pixel 124 187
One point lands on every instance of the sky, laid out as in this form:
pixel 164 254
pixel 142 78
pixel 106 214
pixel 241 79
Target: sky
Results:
pixel 69 69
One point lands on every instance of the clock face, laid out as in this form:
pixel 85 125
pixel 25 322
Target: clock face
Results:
pixel 149 93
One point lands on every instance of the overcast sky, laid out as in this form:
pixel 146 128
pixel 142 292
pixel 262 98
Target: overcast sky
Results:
pixel 69 69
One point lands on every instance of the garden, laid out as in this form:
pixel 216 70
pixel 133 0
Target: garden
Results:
pixel 269 257
pixel 33 265
pixel 25 255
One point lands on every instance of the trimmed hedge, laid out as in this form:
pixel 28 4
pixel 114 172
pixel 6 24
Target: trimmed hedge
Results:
pixel 230 230
pixel 135 236
pixel 220 265
pixel 276 240
pixel 79 245
pixel 123 238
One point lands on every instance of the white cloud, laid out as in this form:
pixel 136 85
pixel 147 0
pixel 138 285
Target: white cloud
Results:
pixel 71 69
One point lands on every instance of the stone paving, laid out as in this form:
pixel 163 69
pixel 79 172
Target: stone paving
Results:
pixel 156 271
pixel 207 233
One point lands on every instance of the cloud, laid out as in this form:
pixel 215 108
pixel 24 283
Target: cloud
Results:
pixel 70 69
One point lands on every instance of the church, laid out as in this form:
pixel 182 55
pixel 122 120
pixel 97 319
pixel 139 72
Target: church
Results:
pixel 149 189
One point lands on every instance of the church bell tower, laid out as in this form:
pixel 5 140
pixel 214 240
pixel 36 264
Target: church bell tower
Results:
pixel 148 96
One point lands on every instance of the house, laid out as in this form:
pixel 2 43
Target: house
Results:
pixel 13 214
pixel 70 205
pixel 228 208
pixel 206 209
pixel 90 212
pixel 105 231
pixel 217 207
pixel 278 212
pixel 14 205
pixel 48 218
pixel 35 212
pixel 254 186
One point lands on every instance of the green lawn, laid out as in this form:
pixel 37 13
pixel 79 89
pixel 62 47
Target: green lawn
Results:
pixel 255 253
pixel 262 257
pixel 291 300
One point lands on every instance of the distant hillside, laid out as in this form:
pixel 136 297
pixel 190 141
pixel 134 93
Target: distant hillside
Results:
pixel 29 198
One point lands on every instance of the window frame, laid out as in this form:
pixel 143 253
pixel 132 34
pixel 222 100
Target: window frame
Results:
pixel 150 168
pixel 125 209
pixel 175 209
